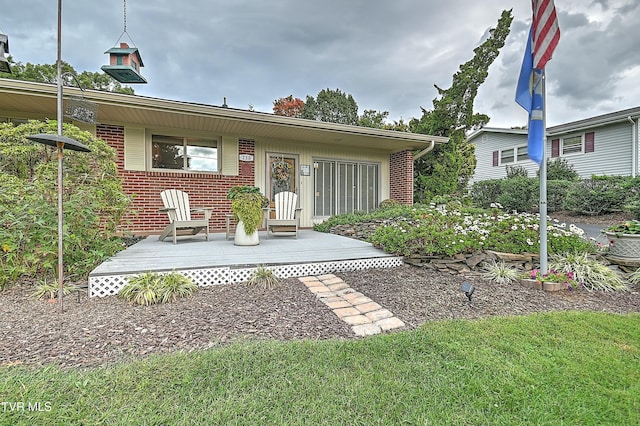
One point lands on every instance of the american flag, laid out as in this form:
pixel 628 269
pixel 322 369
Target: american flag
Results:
pixel 545 31
pixel 543 39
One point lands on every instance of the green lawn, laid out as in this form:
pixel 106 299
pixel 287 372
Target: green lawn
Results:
pixel 555 368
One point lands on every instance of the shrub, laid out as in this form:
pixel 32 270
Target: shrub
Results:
pixel 557 194
pixel 151 288
pixel 485 192
pixel 434 233
pixel 518 194
pixel 516 171
pixel 633 207
pixel 389 202
pixel 596 196
pixel 94 202
pixel 560 169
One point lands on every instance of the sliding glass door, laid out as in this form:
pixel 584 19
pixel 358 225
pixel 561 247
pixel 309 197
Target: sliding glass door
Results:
pixel 345 187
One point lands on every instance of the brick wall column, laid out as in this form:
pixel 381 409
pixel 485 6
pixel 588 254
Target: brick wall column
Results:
pixel 401 177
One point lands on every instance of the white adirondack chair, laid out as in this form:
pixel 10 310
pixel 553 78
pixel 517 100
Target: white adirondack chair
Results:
pixel 176 205
pixel 287 220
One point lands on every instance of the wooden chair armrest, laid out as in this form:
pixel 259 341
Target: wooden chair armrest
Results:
pixel 206 210
pixel 297 213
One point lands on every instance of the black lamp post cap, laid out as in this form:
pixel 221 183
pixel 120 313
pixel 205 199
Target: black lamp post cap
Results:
pixel 50 139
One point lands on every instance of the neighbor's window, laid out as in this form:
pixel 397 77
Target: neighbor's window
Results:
pixel 522 153
pixel 170 152
pixel 506 156
pixel 572 145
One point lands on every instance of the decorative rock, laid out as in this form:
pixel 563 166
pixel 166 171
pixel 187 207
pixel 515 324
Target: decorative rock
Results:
pixel 475 259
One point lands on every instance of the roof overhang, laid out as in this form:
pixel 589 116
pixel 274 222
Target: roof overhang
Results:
pixel 39 99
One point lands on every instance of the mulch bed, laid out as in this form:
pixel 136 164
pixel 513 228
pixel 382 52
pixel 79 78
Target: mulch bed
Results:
pixel 102 331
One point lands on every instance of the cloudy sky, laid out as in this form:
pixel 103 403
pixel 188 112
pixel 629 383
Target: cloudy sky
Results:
pixel 387 53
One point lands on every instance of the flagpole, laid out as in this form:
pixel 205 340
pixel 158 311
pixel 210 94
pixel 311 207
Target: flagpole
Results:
pixel 543 183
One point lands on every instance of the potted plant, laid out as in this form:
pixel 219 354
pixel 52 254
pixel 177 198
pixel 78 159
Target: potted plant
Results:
pixel 555 280
pixel 246 206
pixel 624 240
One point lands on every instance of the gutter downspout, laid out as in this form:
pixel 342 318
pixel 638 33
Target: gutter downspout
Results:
pixel 432 144
pixel 634 147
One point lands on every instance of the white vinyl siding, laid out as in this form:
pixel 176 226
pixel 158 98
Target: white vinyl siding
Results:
pixel 491 142
pixel 612 155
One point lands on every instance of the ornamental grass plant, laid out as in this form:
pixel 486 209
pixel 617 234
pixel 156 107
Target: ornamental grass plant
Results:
pixel 499 272
pixel 587 272
pixel 151 288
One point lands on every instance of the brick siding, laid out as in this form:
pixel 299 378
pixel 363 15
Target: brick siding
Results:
pixel 204 189
pixel 401 177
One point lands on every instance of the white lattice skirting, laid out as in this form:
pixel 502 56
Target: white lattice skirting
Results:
pixel 108 285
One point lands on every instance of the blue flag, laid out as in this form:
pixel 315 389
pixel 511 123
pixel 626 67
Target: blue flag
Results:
pixel 529 96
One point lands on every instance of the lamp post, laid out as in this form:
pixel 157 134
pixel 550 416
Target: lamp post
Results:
pixel 60 142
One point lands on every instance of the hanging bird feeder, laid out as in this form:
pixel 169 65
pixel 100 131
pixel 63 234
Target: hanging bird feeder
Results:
pixel 4 48
pixel 124 61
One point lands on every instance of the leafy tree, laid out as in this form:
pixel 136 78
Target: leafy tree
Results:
pixel 288 107
pixel 332 106
pixel 450 166
pixel 94 203
pixel 373 118
pixel 49 74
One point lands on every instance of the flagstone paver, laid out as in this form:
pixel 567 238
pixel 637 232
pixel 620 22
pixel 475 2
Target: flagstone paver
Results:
pixel 365 316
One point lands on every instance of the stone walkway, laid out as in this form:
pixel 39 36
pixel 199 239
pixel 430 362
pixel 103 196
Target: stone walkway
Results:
pixel 364 315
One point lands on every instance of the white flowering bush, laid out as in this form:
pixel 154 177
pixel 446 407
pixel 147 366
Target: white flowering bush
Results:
pixel 440 232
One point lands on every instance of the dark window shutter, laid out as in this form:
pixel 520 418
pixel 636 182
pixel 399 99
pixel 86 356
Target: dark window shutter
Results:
pixel 495 158
pixel 589 142
pixel 555 148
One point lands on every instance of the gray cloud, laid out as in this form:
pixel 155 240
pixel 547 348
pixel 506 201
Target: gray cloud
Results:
pixel 387 54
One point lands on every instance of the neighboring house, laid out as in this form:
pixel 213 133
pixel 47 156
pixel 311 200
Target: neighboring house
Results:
pixel 602 145
pixel 205 150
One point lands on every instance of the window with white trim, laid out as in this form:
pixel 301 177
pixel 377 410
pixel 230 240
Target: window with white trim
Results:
pixel 513 155
pixel 572 145
pixel 182 153
pixel 523 154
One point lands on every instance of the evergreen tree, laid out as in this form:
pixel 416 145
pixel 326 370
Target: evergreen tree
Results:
pixel 449 167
